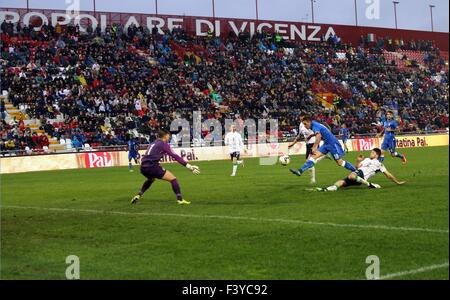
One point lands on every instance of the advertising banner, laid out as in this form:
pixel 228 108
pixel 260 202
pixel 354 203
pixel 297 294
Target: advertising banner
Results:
pixel 18 164
pixel 365 144
pixel 100 159
pixel 422 141
pixel 200 26
pixel 104 159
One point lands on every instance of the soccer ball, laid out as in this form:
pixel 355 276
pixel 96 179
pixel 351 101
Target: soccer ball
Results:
pixel 285 160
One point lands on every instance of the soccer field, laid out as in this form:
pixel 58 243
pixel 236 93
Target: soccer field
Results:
pixel 261 224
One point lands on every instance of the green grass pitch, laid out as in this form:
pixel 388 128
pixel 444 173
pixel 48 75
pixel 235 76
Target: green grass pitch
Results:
pixel 261 224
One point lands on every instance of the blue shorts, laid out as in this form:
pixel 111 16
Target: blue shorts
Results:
pixel 133 155
pixel 389 144
pixel 335 149
pixel 344 139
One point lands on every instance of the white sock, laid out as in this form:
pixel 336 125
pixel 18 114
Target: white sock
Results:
pixel 359 179
pixel 234 169
pixel 332 188
pixel 313 173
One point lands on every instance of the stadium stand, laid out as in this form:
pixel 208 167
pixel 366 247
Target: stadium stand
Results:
pixel 65 90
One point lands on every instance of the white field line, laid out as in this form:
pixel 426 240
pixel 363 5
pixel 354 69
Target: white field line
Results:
pixel 241 218
pixel 411 272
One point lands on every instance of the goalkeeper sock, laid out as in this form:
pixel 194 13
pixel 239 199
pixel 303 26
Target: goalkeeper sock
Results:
pixel 146 186
pixel 176 189
pixel 131 166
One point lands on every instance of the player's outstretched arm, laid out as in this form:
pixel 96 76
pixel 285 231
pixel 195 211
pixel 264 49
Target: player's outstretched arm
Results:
pixel 392 178
pixel 194 169
pixel 359 159
pixel 379 134
pixel 295 141
pixel 242 145
pixel 316 144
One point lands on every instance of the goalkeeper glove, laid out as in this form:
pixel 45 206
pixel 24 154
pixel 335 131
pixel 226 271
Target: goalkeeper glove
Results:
pixel 194 169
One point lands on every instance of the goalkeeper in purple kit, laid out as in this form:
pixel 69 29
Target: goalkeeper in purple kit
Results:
pixel 152 170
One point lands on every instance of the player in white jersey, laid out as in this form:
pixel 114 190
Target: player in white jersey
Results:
pixel 233 140
pixel 366 168
pixel 310 138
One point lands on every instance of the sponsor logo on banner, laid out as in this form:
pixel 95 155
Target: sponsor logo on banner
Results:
pixel 98 160
pixel 365 144
pixel 186 154
pixel 412 142
pixel 273 149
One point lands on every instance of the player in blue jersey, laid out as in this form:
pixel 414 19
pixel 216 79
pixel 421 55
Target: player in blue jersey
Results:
pixel 390 127
pixel 331 145
pixel 133 152
pixel 344 135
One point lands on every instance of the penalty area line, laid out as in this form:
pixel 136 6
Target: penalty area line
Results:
pixel 415 271
pixel 240 218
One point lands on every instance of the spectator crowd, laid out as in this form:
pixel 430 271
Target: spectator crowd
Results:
pixel 101 88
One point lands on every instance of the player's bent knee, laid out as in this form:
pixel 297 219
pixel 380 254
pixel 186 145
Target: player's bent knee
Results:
pixel 316 156
pixel 312 159
pixel 169 176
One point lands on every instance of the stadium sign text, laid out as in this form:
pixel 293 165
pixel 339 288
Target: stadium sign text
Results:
pixel 188 155
pixel 98 159
pixel 365 144
pixel 197 26
pixel 412 142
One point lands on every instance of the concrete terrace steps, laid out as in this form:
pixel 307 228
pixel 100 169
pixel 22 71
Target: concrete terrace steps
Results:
pixel 12 110
pixel 56 147
pixel 33 124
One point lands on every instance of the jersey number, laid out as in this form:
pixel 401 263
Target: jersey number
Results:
pixel 149 149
